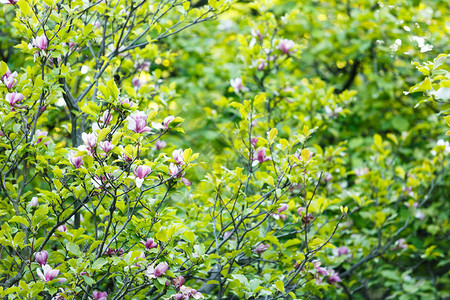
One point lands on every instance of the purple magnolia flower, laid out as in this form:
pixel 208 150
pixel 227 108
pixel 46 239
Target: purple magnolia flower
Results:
pixel 178 282
pixel 167 121
pixel 400 245
pixel 137 122
pixel 48 275
pixel 186 182
pixel 174 170
pixel 160 269
pixel 334 277
pixel 187 293
pixel 39 135
pixel 261 156
pixel 261 65
pixel 178 156
pixel 41 42
pixel 320 270
pixel 282 208
pixel 62 228
pixel 237 85
pixel 137 83
pixel 90 141
pixel 149 244
pixel 9 79
pixel 261 248
pixel 41 257
pixel 106 146
pixel 141 172
pixel 9 1
pixel 100 295
pixel 106 117
pixel 76 161
pixel 341 251
pixel 126 103
pixel 286 45
pixel 160 144
pixel 14 98
pixel 34 202
pixel 254 141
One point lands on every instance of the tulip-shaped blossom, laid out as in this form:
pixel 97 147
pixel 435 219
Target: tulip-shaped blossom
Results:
pixel 341 251
pixel 61 228
pixel 137 122
pixel 76 161
pixel 320 270
pixel 149 244
pixel 90 141
pixel 260 157
pixel 137 83
pixel 282 208
pixel 39 135
pixel 238 86
pixel 34 202
pixel 400 245
pixel 334 277
pixel 141 172
pixel 9 1
pixel 261 248
pixel 160 269
pixel 160 144
pixel 187 293
pixel 286 45
pixel 100 295
pixel 167 121
pixel 178 281
pixel 106 146
pixel 9 79
pixel 14 98
pixel 254 141
pixel 106 117
pixel 178 156
pixel 186 182
pixel 261 65
pixel 41 257
pixel 41 42
pixel 48 275
pixel 174 170
pixel 126 103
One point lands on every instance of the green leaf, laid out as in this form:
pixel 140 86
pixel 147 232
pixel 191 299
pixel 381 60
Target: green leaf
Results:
pixel 99 263
pixel 103 133
pixel 74 249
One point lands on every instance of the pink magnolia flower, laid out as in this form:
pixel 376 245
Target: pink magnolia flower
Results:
pixel 178 282
pixel 90 141
pixel 341 251
pixel 9 1
pixel 327 177
pixel 167 121
pixel 320 270
pixel 261 248
pixel 41 257
pixel 106 146
pixel 334 277
pixel 261 156
pixel 149 244
pixel 126 103
pixel 282 208
pixel 41 42
pixel 159 144
pixel 420 215
pixel 286 45
pixel 48 275
pixel 160 269
pixel 186 182
pixel 9 79
pixel 100 295
pixel 174 170
pixel 137 122
pixel 137 83
pixel 76 161
pixel 238 86
pixel 178 156
pixel 261 65
pixel 14 98
pixel 34 202
pixel 39 135
pixel 254 141
pixel 141 172
pixel 300 211
pixel 106 117
pixel 187 293
pixel 257 33
pixel 62 228
pixel 400 245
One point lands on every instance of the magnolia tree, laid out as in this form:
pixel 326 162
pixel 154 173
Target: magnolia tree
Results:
pixel 289 195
